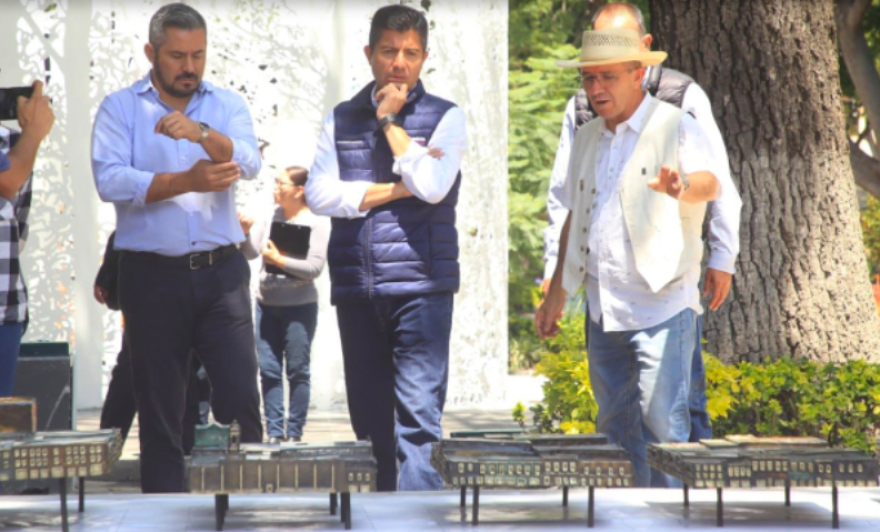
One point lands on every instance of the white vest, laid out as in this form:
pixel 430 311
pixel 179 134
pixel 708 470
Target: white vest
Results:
pixel 665 234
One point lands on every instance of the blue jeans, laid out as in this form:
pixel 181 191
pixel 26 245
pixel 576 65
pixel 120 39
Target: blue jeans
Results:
pixel 701 426
pixel 641 381
pixel 284 334
pixel 396 354
pixel 10 344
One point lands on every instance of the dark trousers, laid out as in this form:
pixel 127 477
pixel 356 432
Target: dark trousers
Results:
pixel 284 337
pixel 10 345
pixel 170 310
pixel 396 354
pixel 120 406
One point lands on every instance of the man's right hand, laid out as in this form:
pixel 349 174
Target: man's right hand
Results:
pixel 35 117
pixel 208 176
pixel 549 312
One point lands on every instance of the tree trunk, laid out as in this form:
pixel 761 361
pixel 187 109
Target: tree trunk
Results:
pixel 770 69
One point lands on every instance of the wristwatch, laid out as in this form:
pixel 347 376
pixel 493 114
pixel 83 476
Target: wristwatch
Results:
pixel 205 130
pixel 685 184
pixel 390 118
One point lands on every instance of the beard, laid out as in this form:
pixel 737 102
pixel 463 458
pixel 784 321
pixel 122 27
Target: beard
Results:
pixel 168 86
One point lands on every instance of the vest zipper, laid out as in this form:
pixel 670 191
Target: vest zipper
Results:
pixel 368 230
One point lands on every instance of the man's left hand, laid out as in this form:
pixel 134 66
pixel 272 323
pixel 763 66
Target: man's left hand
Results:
pixel 717 284
pixel 177 126
pixel 668 181
pixel 391 99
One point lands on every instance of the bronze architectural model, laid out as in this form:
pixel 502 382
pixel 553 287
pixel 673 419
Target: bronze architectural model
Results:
pixel 515 460
pixel 62 455
pixel 754 462
pixel 221 465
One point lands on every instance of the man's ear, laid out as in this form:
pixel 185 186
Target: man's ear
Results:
pixel 368 53
pixel 150 53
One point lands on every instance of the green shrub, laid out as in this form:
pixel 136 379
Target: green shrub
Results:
pixel 785 397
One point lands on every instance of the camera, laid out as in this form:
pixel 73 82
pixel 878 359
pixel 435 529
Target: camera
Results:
pixel 9 101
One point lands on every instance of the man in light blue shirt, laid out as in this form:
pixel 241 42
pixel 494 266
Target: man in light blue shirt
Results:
pixel 167 152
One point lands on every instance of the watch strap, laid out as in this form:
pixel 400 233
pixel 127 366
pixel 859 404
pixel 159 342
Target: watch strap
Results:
pixel 205 130
pixel 390 118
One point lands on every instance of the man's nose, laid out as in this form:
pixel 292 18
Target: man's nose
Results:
pixel 399 60
pixel 189 64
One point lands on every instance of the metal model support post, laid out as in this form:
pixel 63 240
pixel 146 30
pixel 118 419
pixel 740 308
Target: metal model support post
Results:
pixel 513 460
pixel 222 466
pixel 63 455
pixel 746 461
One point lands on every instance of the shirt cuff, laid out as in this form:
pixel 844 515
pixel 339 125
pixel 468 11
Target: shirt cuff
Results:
pixel 142 186
pixel 720 259
pixel 353 196
pixel 403 165
pixel 550 267
pixel 244 156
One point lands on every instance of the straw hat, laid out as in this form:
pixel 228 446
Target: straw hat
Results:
pixel 606 47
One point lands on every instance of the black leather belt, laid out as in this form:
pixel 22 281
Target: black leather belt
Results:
pixel 192 261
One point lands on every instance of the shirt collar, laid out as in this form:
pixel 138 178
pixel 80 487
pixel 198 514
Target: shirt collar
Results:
pixel 145 85
pixel 636 121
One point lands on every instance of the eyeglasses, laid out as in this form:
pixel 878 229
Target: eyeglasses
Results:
pixel 606 79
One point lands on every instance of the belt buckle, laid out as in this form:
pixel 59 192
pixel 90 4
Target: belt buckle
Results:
pixel 194 265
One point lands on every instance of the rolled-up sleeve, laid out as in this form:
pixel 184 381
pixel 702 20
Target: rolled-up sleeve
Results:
pixel 4 162
pixel 244 142
pixel 326 194
pixel 115 178
pixel 430 178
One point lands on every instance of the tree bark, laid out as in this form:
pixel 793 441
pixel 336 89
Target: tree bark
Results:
pixel 770 69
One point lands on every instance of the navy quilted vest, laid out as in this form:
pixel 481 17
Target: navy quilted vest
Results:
pixel 405 247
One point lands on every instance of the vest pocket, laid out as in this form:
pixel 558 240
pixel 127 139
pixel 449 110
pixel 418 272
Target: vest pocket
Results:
pixel 355 144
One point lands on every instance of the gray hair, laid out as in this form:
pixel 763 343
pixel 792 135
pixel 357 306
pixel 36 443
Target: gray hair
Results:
pixel 634 11
pixel 177 15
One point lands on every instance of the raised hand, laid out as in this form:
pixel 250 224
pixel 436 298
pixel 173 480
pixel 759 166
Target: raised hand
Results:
pixel 668 181
pixel 208 176
pixel 177 126
pixel 391 99
pixel 246 223
pixel 35 116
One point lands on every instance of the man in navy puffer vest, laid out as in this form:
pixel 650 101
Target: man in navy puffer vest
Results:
pixel 387 171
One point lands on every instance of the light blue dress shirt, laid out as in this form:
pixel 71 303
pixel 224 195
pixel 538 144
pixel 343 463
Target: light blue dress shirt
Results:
pixel 126 155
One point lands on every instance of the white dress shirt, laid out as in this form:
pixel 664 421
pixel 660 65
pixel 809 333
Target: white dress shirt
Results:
pixel 616 291
pixel 723 213
pixel 427 177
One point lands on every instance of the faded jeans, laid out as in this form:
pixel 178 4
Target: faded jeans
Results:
pixel 284 338
pixel 641 383
pixel 396 354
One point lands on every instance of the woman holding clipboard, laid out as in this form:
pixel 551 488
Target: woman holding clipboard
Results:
pixel 287 301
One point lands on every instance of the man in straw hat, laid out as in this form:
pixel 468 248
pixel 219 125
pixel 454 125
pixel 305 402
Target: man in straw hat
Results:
pixel 723 214
pixel 637 186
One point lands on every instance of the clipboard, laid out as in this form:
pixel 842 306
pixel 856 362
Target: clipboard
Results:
pixel 291 240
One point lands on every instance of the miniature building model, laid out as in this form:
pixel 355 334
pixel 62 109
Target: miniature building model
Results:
pixel 62 455
pixel 222 466
pixel 533 462
pixel 752 462
pixel 27 455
